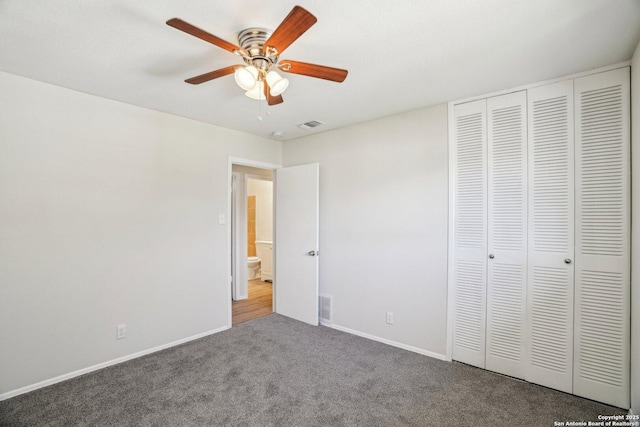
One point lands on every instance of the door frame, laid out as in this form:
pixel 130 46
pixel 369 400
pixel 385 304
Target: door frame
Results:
pixel 250 163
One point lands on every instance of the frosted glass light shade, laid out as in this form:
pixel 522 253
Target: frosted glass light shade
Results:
pixel 257 92
pixel 246 77
pixel 276 83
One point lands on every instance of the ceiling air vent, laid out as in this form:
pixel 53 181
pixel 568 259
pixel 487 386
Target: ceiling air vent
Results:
pixel 310 124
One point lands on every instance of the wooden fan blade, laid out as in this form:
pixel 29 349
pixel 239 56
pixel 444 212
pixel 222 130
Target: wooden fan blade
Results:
pixel 212 75
pixel 313 70
pixel 294 25
pixel 271 100
pixel 201 34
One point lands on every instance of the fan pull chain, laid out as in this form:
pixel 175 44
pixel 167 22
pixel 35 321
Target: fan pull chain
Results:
pixel 259 110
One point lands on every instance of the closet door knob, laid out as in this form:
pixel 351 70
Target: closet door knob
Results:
pixel 312 253
pixel 567 261
pixel 491 256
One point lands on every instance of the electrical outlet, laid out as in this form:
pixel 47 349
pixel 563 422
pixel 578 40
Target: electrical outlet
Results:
pixel 122 331
pixel 389 318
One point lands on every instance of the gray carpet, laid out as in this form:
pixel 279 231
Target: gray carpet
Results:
pixel 274 371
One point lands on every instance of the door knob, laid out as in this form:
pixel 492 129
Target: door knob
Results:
pixel 491 256
pixel 567 261
pixel 312 253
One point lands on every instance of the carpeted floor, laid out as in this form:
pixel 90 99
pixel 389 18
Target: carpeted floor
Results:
pixel 274 371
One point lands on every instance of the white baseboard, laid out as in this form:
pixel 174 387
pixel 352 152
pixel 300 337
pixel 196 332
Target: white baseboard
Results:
pixel 103 365
pixel 385 341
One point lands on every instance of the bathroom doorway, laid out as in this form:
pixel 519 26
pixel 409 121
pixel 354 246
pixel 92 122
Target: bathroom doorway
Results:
pixel 251 242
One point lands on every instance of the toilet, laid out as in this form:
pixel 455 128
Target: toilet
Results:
pixel 253 263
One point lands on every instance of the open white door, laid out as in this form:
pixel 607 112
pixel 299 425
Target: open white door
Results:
pixel 296 243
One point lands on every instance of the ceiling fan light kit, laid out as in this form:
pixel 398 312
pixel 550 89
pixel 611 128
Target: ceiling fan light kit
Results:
pixel 277 84
pixel 246 77
pixel 257 92
pixel 260 49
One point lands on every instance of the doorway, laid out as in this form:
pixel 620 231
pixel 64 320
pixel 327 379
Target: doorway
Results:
pixel 295 288
pixel 252 211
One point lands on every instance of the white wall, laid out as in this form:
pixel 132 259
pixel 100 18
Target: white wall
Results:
pixel 263 190
pixel 383 224
pixel 108 215
pixel 635 231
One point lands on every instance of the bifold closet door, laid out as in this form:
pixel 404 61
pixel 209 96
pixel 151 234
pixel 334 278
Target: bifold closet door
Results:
pixel 470 232
pixel 602 318
pixel 549 326
pixel 507 233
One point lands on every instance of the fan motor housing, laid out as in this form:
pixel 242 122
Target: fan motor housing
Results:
pixel 252 40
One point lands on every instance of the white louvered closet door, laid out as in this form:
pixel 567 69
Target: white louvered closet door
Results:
pixel 470 232
pixel 507 233
pixel 602 318
pixel 550 236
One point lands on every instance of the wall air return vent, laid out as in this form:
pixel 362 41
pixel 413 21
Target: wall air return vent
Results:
pixel 325 308
pixel 310 124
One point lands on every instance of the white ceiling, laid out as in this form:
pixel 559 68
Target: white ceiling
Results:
pixel 401 55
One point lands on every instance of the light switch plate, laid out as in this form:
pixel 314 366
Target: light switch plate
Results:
pixel 122 331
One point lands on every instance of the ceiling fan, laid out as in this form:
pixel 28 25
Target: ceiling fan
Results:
pixel 260 49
